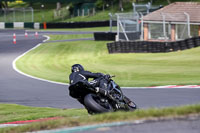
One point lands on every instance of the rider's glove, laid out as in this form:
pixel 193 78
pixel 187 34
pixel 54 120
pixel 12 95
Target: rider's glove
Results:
pixel 101 91
pixel 107 77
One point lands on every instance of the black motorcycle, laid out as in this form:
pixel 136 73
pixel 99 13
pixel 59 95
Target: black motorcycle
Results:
pixel 97 103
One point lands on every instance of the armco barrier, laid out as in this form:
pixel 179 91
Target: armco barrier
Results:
pixel 54 25
pixel 2 25
pixel 9 25
pixel 152 47
pixel 29 25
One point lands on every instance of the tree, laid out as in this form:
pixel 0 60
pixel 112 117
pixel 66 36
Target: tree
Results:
pixel 4 4
pixel 168 1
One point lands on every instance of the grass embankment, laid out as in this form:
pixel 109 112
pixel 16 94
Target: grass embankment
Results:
pixel 68 119
pixel 53 61
pixel 65 37
pixel 95 29
pixel 47 12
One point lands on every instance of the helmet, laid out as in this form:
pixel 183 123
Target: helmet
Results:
pixel 77 67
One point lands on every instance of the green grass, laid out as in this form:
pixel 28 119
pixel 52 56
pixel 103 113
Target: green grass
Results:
pixel 13 112
pixel 101 16
pixel 74 36
pixel 84 119
pixel 95 29
pixel 53 61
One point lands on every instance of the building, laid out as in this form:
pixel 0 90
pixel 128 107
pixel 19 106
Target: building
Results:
pixel 177 21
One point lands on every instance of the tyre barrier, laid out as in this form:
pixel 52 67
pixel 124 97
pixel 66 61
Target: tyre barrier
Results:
pixel 152 47
pixel 104 36
pixel 78 24
pixel 110 36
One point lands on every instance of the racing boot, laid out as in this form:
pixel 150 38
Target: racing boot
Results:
pixel 101 91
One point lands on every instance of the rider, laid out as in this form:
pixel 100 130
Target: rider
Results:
pixel 98 84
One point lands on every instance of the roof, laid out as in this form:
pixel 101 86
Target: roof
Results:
pixel 176 12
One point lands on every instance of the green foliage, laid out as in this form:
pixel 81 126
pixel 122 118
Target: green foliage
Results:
pixel 83 119
pixel 13 112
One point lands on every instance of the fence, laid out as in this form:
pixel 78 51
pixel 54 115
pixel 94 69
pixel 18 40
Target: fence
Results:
pixel 17 15
pixel 129 26
pixel 161 29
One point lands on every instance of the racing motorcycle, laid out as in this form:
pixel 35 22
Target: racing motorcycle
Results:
pixel 98 103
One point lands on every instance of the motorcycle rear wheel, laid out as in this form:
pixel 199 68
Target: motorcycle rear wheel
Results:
pixel 94 104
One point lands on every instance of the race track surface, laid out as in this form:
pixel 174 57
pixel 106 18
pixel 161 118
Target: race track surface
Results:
pixel 183 125
pixel 20 89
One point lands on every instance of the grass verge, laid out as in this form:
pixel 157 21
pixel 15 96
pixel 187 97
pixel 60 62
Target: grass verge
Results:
pixel 65 37
pixel 84 119
pixel 53 61
pixel 13 112
pixel 94 29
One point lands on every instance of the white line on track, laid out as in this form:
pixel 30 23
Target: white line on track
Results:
pixel 15 68
pixel 54 82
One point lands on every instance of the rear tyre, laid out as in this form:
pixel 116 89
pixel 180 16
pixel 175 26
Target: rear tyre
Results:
pixel 94 104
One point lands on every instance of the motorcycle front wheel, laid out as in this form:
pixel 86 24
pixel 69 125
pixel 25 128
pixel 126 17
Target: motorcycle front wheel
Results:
pixel 131 106
pixel 95 104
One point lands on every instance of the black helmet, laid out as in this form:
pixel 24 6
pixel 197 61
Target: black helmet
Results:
pixel 77 67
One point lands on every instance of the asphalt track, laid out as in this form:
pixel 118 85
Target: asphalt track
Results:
pixel 19 89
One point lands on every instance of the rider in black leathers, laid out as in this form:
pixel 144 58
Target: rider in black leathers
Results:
pixel 98 84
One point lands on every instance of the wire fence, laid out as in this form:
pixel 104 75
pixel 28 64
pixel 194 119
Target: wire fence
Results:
pixel 17 15
pixel 129 24
pixel 161 29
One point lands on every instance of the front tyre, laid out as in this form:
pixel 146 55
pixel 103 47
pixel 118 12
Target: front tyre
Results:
pixel 131 106
pixel 95 104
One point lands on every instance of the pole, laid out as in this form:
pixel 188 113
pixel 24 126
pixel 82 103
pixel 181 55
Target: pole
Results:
pixel 32 14
pixel 142 32
pixel 110 14
pixel 13 15
pixel 164 27
pixel 188 23
pixel 24 15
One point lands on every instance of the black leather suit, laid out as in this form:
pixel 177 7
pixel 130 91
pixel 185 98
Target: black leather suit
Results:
pixel 82 77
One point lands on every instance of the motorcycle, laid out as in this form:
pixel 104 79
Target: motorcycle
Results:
pixel 98 103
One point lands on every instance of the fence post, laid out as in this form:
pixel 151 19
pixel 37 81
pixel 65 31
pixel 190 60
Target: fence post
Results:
pixel 4 15
pixel 164 28
pixel 24 12
pixel 13 15
pixel 78 12
pixel 142 32
pixel 93 11
pixel 188 23
pixel 118 26
pixel 83 12
pixel 110 14
pixel 32 14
